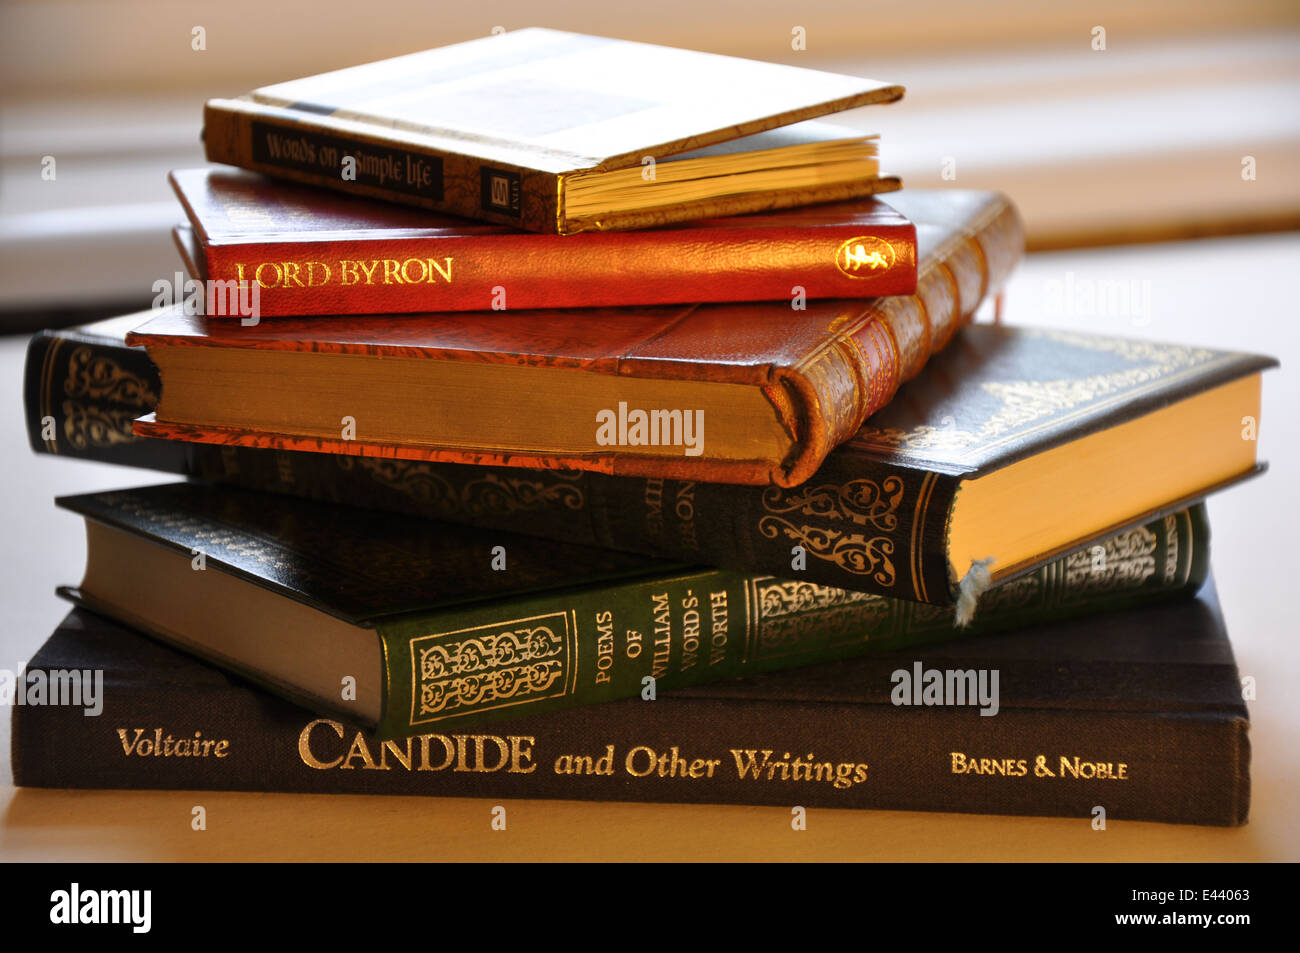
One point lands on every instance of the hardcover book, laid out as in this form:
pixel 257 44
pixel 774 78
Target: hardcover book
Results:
pixel 561 132
pixel 409 625
pixel 987 465
pixel 1041 389
pixel 1139 712
pixel 315 252
pixel 735 393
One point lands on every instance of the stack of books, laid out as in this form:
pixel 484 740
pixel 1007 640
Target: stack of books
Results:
pixel 671 468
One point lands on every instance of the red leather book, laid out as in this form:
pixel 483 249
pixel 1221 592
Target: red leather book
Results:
pixel 752 393
pixel 311 251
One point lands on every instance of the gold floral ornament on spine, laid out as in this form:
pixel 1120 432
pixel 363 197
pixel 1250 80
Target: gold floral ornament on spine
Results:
pixel 795 617
pixel 101 378
pixel 858 503
pixel 103 400
pixel 492 493
pixel 492 666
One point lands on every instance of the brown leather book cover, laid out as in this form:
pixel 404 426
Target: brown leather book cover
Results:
pixel 316 252
pixel 498 128
pixel 822 370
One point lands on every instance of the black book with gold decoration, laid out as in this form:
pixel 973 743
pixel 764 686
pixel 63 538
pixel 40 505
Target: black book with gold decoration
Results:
pixel 1013 447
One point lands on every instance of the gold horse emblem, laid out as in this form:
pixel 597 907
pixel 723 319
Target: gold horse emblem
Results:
pixel 863 257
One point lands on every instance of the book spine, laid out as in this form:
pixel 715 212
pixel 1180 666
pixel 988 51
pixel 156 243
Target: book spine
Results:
pixel 284 144
pixel 873 355
pixel 677 748
pixel 534 271
pixel 857 524
pixel 81 395
pixel 469 667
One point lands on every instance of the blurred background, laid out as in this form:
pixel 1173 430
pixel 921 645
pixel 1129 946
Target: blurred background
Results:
pixel 1108 121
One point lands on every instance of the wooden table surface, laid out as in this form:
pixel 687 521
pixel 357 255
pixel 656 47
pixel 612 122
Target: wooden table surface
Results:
pixel 1227 293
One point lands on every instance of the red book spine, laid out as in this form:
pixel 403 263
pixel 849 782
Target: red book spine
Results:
pixel 615 269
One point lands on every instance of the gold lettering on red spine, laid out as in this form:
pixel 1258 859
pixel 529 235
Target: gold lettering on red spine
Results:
pixel 405 271
pixel 313 274
pixel 434 268
pixel 275 270
pixel 286 274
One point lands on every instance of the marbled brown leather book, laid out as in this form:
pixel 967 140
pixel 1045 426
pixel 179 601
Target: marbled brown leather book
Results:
pixel 737 393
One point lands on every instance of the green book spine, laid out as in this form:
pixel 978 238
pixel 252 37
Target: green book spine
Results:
pixel 470 666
